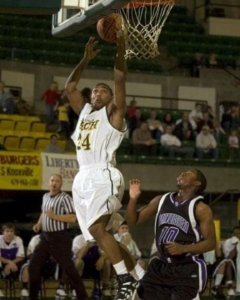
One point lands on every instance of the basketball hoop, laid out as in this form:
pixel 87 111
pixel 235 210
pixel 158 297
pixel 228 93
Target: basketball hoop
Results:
pixel 143 25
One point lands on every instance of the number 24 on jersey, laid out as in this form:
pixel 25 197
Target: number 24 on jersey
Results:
pixel 83 143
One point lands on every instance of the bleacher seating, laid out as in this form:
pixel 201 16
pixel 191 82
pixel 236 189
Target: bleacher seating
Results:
pixel 29 38
pixel 22 133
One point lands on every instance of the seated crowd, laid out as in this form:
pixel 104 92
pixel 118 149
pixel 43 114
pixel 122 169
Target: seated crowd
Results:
pixel 223 266
pixel 90 261
pixel 198 133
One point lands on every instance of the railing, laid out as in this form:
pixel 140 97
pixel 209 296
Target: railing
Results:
pixel 231 210
pixel 165 102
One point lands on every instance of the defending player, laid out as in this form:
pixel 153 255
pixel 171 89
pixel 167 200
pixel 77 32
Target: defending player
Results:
pixel 184 228
pixel 98 187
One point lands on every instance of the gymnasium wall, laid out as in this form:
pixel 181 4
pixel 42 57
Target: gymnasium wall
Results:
pixel 213 86
pixel 163 178
pixel 223 26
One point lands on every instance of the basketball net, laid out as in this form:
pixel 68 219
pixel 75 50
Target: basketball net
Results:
pixel 142 26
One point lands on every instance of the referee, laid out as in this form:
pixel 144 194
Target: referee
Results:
pixel 57 212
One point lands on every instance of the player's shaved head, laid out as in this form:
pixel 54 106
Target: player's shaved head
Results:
pixel 105 86
pixel 202 179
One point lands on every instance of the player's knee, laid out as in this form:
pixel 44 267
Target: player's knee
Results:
pixel 97 231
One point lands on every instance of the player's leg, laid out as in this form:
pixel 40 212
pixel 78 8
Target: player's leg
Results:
pixel 189 280
pixel 60 249
pixel 155 283
pixel 134 268
pixel 37 261
pixel 218 277
pixel 96 194
pixel 110 246
pixel 230 270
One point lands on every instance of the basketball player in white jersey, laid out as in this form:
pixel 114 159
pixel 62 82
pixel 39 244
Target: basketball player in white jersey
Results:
pixel 98 187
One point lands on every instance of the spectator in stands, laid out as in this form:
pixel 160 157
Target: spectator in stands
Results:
pixel 195 115
pixel 212 62
pixel 235 116
pixel 226 266
pixel 63 119
pixel 206 143
pixel 89 260
pixel 124 237
pixel 7 104
pixel 155 126
pixel 197 65
pixel 142 140
pixel 227 119
pixel 183 129
pixel 23 108
pixel 53 147
pixel 50 97
pixel 233 143
pixel 131 109
pixel 87 94
pixel 168 121
pixel 172 145
pixel 210 112
pixel 219 132
pixel 135 121
pixel 205 122
pixel 12 258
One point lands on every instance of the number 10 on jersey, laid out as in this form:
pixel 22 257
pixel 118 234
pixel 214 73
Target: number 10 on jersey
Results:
pixel 83 143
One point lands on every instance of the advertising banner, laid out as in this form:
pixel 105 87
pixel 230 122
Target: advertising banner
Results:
pixel 65 165
pixel 20 171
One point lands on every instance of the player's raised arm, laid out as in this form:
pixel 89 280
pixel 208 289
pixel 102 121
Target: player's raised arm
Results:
pixel 135 216
pixel 119 101
pixel 75 97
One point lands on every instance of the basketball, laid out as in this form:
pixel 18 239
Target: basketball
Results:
pixel 106 27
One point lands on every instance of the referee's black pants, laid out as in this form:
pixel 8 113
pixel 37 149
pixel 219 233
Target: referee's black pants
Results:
pixel 58 245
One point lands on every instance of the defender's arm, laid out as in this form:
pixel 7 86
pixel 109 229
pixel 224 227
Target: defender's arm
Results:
pixel 135 216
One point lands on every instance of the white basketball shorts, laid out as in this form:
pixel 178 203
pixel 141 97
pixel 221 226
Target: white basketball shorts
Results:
pixel 97 191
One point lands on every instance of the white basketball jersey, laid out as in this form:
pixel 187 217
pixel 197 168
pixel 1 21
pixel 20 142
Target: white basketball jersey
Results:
pixel 95 138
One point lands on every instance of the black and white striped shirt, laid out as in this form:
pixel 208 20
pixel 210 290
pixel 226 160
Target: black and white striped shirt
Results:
pixel 60 204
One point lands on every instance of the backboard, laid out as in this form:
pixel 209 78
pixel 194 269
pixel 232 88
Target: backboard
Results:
pixel 76 15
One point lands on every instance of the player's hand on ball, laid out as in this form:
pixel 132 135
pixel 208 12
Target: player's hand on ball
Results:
pixel 134 189
pixel 49 213
pixel 90 52
pixel 175 248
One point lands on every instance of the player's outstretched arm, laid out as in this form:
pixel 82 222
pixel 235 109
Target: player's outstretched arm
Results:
pixel 75 97
pixel 119 102
pixel 135 216
pixel 205 218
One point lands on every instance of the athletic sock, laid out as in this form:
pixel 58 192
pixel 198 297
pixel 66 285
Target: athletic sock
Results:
pixel 140 271
pixel 229 284
pixel 218 280
pixel 120 268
